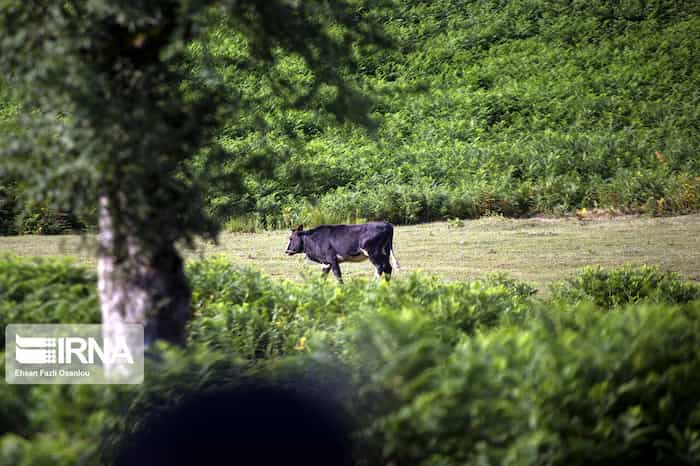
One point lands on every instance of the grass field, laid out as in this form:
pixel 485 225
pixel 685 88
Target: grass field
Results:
pixel 538 250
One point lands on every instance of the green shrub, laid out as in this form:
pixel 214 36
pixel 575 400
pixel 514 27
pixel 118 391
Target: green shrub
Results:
pixel 8 208
pixel 46 291
pixel 242 312
pixel 245 313
pixel 574 387
pixel 628 284
pixel 38 218
pixel 431 373
pixel 241 224
pixel 83 424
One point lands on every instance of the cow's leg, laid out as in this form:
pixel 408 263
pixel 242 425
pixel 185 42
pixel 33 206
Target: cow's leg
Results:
pixel 377 269
pixel 386 268
pixel 377 266
pixel 325 269
pixel 386 262
pixel 336 271
pixel 381 265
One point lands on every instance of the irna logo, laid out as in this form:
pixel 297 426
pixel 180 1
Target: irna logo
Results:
pixel 74 353
pixel 70 350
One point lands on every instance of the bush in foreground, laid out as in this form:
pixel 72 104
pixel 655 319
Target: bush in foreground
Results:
pixel 428 373
pixel 609 288
pixel 574 387
pixel 242 312
pixel 38 291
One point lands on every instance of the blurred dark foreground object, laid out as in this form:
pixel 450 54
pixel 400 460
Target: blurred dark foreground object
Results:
pixel 249 425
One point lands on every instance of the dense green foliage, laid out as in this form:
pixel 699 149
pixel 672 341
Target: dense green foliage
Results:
pixel 616 287
pixel 432 372
pixel 244 313
pixel 514 107
pixel 574 387
pixel 38 291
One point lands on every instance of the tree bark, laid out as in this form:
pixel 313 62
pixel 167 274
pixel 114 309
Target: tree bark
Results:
pixel 138 284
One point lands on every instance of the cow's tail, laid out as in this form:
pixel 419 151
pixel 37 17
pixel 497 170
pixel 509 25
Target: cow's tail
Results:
pixel 394 260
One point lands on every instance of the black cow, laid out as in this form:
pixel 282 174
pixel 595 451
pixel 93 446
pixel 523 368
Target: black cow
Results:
pixel 330 245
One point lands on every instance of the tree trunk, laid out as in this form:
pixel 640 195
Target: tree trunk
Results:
pixel 138 284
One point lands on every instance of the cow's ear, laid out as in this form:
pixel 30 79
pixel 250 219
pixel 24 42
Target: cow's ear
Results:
pixel 300 227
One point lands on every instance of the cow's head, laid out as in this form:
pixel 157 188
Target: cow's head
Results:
pixel 296 243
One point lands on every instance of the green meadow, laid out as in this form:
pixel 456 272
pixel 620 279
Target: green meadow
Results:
pixel 538 250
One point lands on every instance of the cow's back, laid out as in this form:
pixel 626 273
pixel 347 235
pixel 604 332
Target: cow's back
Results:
pixel 346 240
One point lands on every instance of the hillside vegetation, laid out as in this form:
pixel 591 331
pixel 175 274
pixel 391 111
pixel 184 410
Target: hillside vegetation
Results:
pixel 511 107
